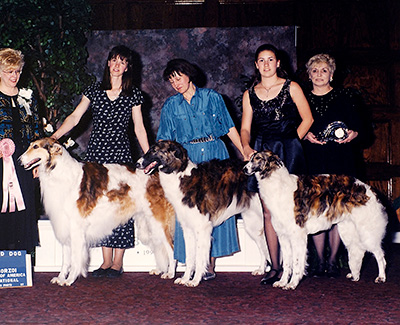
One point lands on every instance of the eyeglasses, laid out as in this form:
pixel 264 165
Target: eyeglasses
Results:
pixel 11 72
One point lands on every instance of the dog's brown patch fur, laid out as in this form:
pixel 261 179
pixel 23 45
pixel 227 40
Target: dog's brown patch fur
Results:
pixel 213 184
pixel 337 194
pixel 93 185
pixel 122 196
pixel 160 206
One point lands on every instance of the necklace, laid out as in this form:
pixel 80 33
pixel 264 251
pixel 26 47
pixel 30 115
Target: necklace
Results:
pixel 269 88
pixel 321 92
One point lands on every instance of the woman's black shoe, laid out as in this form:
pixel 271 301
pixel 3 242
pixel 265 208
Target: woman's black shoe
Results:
pixel 100 273
pixel 320 271
pixel 270 278
pixel 114 273
pixel 333 271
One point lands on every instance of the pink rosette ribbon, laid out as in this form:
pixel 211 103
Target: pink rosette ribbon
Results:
pixel 11 189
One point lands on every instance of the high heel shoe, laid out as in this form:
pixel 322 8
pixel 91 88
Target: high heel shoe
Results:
pixel 333 270
pixel 320 271
pixel 269 278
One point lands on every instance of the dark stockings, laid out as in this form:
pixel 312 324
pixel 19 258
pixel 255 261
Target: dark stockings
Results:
pixel 273 243
pixel 334 244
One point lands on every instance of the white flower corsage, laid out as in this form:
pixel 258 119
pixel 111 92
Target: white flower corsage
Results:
pixel 25 99
pixel 69 143
pixel 47 126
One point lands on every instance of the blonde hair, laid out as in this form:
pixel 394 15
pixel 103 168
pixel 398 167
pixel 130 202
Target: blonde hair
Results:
pixel 10 58
pixel 321 58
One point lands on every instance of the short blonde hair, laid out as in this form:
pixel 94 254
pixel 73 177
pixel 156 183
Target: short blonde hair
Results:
pixel 10 58
pixel 321 58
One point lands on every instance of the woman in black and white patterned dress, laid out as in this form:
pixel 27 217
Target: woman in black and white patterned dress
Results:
pixel 114 102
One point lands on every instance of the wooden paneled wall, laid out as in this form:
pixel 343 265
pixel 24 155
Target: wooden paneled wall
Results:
pixel 364 36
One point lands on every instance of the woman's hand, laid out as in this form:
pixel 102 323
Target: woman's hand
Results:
pixel 313 139
pixel 351 136
pixel 248 153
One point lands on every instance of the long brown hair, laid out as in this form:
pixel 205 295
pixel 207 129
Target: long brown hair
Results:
pixel 123 53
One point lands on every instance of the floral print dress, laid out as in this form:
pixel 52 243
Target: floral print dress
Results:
pixel 109 143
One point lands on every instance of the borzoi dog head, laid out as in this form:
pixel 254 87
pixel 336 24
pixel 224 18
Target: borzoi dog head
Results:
pixel 264 162
pixel 41 153
pixel 165 156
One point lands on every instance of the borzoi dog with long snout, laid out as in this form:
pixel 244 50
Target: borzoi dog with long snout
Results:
pixel 204 196
pixel 86 201
pixel 302 205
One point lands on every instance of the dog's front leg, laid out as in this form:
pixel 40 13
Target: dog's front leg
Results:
pixel 203 245
pixel 190 248
pixel 79 254
pixel 65 268
pixel 298 242
pixel 287 262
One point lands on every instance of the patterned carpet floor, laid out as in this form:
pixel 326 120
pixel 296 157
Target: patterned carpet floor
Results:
pixel 232 298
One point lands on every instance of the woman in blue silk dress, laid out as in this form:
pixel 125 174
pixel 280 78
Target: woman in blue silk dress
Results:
pixel 277 114
pixel 197 118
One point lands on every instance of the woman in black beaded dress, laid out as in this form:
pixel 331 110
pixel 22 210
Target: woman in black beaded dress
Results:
pixel 19 125
pixel 114 102
pixel 330 152
pixel 276 115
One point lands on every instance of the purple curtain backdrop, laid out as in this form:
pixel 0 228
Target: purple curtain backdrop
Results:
pixel 225 55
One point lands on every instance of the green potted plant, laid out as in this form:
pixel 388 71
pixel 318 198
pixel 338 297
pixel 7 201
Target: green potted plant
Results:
pixel 52 36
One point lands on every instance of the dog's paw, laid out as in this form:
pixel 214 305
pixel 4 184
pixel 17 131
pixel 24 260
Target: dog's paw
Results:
pixel 192 283
pixel 61 282
pixel 57 280
pixel 380 279
pixel 54 280
pixel 290 286
pixel 154 272
pixel 167 276
pixel 258 272
pixel 352 278
pixel 279 284
pixel 179 281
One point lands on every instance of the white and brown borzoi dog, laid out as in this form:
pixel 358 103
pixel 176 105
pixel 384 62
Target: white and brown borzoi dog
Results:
pixel 204 196
pixel 302 205
pixel 86 201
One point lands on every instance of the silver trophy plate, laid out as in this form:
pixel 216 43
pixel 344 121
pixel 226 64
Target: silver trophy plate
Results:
pixel 334 131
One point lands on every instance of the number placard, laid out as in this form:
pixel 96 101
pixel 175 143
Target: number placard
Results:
pixel 15 269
